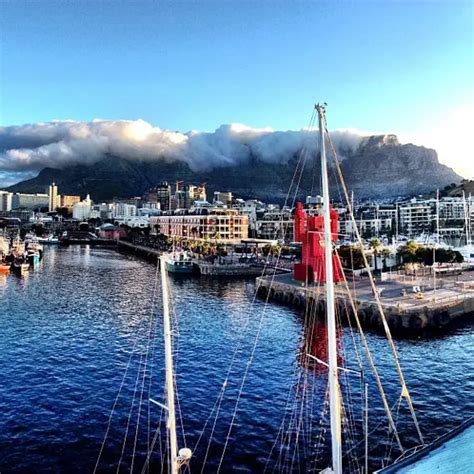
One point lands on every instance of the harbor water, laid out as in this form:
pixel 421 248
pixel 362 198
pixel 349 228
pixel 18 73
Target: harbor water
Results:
pixel 81 334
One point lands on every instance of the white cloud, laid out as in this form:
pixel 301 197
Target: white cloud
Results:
pixel 56 144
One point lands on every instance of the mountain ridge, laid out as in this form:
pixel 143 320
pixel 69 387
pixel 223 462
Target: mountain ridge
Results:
pixel 380 167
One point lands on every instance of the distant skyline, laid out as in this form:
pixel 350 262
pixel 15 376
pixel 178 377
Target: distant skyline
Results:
pixel 402 67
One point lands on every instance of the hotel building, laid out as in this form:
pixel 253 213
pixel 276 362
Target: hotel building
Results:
pixel 224 225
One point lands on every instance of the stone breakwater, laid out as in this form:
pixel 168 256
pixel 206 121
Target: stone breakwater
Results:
pixel 404 313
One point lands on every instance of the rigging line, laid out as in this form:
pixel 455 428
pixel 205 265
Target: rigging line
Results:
pixel 302 160
pixel 145 366
pixel 388 333
pixel 379 424
pixel 309 311
pixel 120 390
pixel 150 378
pixel 260 326
pixel 155 437
pixel 213 429
pixel 249 363
pixel 130 414
pixel 372 363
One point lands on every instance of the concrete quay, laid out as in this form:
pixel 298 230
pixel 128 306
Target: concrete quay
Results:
pixel 146 253
pixel 404 313
pixel 216 269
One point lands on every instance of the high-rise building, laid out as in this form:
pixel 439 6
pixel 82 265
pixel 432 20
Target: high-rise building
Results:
pixel 30 201
pixel 5 201
pixel 161 195
pixel 53 197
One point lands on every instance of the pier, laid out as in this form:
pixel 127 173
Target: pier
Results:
pixel 218 268
pixel 404 309
pixel 147 253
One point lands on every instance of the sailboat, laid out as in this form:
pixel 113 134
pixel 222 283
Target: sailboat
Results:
pixel 178 458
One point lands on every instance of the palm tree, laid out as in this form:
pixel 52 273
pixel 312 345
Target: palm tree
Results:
pixel 385 254
pixel 376 246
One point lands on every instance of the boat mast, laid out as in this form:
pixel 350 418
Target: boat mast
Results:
pixel 173 455
pixel 334 392
pixel 466 223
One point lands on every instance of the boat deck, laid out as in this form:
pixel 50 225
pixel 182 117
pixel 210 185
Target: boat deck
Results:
pixel 450 454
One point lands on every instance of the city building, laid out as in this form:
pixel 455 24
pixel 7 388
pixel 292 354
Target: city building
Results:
pixel 276 225
pixel 68 201
pixel 53 198
pixel 82 210
pixel 121 210
pixel 30 201
pixel 161 195
pixel 223 225
pixel 185 195
pixel 416 218
pixel 223 197
pixel 5 201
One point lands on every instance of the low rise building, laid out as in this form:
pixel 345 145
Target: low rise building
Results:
pixel 276 225
pixel 224 225
pixel 82 210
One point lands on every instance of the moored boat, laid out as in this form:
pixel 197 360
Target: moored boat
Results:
pixel 4 268
pixel 49 240
pixel 20 268
pixel 33 258
pixel 179 262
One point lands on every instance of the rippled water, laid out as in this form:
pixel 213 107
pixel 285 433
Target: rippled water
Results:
pixel 77 329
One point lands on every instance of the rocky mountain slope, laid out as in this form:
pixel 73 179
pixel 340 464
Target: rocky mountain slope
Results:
pixel 379 167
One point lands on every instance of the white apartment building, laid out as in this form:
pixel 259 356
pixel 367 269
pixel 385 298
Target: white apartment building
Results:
pixel 82 210
pixel 5 201
pixel 416 217
pixel 276 225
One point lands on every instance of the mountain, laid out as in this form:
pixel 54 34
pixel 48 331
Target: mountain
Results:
pixel 379 167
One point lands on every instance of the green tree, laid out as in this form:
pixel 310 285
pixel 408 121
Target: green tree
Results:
pixel 376 246
pixel 409 252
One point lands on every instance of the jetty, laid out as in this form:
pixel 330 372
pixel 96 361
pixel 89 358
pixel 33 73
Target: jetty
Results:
pixel 147 253
pixel 409 305
pixel 222 267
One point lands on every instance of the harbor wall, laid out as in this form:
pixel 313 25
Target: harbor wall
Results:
pixel 430 316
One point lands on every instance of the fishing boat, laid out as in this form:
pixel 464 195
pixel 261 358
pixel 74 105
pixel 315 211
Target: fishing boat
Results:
pixel 4 267
pixel 33 257
pixel 178 262
pixel 4 252
pixel 34 247
pixel 49 240
pixel 20 268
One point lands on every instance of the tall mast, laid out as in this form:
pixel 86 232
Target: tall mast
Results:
pixel 466 223
pixel 173 455
pixel 334 392
pixel 437 216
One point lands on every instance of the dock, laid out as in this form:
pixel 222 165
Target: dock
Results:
pixel 404 310
pixel 216 268
pixel 147 253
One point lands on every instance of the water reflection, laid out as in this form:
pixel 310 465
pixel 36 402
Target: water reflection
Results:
pixel 69 331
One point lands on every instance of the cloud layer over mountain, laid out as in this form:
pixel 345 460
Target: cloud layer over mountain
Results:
pixel 26 149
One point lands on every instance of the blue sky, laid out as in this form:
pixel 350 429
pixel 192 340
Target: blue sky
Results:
pixel 388 66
